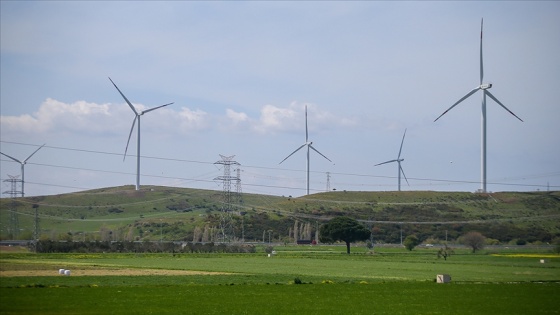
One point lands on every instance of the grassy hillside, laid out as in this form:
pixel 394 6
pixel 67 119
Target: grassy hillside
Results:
pixel 154 213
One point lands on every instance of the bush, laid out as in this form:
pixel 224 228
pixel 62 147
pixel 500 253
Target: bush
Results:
pixel 411 241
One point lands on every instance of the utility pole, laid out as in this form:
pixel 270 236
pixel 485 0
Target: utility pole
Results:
pixel 242 229
pixel 226 227
pixel 328 181
pixel 13 228
pixel 36 232
pixel 238 186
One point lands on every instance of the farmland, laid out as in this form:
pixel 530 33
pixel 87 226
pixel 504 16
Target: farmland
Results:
pixel 297 280
pixel 183 268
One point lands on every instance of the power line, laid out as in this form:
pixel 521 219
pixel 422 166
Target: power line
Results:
pixel 440 181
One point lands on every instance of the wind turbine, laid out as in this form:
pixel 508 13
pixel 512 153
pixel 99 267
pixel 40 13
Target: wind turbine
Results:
pixel 398 160
pixel 136 118
pixel 309 145
pixel 484 88
pixel 23 167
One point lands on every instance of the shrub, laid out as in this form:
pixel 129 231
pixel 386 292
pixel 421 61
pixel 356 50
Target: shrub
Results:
pixel 411 241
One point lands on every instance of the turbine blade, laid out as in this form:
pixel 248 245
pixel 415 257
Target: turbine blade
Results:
pixel 402 171
pixel 496 100
pixel 126 99
pixel 386 162
pixel 459 101
pixel 33 153
pixel 320 153
pixel 481 67
pixel 306 133
pixel 303 145
pixel 129 135
pixel 13 158
pixel 400 150
pixel 151 109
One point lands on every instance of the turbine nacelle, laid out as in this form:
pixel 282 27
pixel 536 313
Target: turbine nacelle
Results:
pixel 485 86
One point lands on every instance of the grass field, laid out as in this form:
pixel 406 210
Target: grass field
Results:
pixel 388 281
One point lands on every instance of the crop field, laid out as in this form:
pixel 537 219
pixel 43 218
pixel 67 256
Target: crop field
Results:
pixel 297 280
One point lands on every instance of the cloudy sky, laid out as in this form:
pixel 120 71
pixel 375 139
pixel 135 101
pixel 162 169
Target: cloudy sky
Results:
pixel 240 75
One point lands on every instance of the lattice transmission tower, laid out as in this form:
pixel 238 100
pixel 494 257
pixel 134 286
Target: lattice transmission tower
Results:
pixel 228 197
pixel 13 228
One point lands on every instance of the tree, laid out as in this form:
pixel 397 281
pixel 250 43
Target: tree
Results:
pixel 411 241
pixel 343 229
pixel 445 252
pixel 474 240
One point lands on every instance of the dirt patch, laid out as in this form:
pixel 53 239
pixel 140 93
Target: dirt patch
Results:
pixel 105 272
pixel 13 249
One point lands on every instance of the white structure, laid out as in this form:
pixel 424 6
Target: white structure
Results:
pixel 398 160
pixel 137 117
pixel 309 145
pixel 485 92
pixel 443 278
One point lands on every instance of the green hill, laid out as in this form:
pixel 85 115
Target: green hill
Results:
pixel 166 213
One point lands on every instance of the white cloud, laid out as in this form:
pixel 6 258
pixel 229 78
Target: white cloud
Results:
pixel 275 118
pixel 190 120
pixel 236 117
pixel 54 115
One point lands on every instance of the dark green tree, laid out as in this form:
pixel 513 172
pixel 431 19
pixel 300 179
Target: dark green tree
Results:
pixel 343 229
pixel 411 241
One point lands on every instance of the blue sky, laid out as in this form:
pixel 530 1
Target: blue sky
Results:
pixel 241 73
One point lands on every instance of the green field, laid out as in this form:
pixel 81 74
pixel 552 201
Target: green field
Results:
pixel 387 281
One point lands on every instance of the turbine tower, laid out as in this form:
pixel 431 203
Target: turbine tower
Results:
pixel 398 160
pixel 23 167
pixel 309 145
pixel 485 92
pixel 136 117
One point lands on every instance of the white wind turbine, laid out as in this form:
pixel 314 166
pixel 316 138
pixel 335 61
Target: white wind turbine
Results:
pixel 484 88
pixel 23 167
pixel 137 117
pixel 398 160
pixel 309 145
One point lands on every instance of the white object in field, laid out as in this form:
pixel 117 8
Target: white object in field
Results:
pixel 66 272
pixel 443 278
